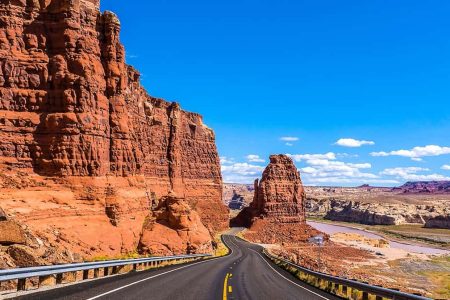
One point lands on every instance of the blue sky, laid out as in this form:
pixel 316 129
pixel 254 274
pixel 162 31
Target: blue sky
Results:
pixel 315 71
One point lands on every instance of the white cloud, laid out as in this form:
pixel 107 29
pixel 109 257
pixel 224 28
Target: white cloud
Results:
pixel 289 144
pixel 416 153
pixel 255 158
pixel 301 157
pixel 225 160
pixel 352 143
pixel 446 167
pixel 411 174
pixel 241 172
pixel 289 139
pixel 325 169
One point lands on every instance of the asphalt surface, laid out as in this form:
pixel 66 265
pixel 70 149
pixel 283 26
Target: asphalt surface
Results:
pixel 243 274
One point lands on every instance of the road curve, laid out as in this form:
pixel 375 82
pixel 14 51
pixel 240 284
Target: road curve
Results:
pixel 244 274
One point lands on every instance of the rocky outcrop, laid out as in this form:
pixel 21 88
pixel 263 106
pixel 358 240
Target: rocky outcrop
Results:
pixel 279 195
pixel 438 222
pixel 380 213
pixel 375 205
pixel 175 228
pixel 11 233
pixel 75 122
pixel 277 213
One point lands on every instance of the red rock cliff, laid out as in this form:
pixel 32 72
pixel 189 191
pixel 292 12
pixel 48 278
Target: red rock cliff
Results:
pixel 70 107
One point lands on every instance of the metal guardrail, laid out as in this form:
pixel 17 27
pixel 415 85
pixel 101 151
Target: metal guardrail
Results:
pixel 44 272
pixel 344 287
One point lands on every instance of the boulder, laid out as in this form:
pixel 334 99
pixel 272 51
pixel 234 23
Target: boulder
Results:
pixel 23 256
pixel 11 233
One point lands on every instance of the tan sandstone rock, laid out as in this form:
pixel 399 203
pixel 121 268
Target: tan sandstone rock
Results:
pixel 11 233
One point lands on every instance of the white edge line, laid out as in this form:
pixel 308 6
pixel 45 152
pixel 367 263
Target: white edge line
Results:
pixel 288 278
pixel 154 276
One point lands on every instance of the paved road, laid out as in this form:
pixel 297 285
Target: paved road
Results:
pixel 244 274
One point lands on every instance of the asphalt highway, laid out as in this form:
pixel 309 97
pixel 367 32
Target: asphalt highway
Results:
pixel 243 274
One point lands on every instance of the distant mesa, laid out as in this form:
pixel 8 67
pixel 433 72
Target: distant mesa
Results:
pixel 424 187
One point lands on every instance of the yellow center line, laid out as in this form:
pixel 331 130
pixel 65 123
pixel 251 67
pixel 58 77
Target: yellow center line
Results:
pixel 225 284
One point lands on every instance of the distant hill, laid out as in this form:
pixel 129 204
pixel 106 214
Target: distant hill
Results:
pixel 424 187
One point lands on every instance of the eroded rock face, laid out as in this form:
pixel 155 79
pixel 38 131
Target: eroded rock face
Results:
pixel 71 106
pixel 277 213
pixel 438 222
pixel 175 228
pixel 279 195
pixel 75 119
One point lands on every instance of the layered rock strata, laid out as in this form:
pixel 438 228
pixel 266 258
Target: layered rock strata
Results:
pixel 279 195
pixel 277 213
pixel 75 119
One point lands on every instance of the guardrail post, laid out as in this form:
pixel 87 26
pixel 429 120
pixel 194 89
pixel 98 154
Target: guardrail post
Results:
pixel 365 296
pixel 96 273
pixel 378 298
pixel 85 274
pixel 134 267
pixel 105 271
pixel 114 270
pixel 59 278
pixel 21 284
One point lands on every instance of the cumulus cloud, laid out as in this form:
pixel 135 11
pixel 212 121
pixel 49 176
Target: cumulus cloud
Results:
pixel 446 167
pixel 326 169
pixel 241 172
pixel 225 160
pixel 255 158
pixel 304 157
pixel 352 143
pixel 416 153
pixel 413 174
pixel 289 139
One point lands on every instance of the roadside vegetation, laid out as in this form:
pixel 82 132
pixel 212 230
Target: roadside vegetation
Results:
pixel 221 249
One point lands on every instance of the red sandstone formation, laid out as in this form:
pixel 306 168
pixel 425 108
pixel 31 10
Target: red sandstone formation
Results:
pixel 277 213
pixel 82 141
pixel 174 228
pixel 279 195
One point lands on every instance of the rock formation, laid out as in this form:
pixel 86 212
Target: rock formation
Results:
pixel 424 187
pixel 277 213
pixel 375 206
pixel 439 222
pixel 279 195
pixel 75 119
pixel 175 228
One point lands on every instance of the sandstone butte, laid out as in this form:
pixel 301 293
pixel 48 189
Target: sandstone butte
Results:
pixel 277 213
pixel 90 164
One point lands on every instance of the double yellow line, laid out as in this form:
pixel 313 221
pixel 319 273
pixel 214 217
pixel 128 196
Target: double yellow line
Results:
pixel 227 288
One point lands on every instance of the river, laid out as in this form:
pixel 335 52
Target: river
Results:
pixel 331 229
